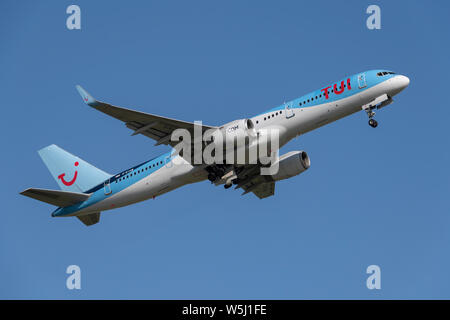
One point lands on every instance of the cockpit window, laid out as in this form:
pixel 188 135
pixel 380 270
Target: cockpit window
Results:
pixel 380 74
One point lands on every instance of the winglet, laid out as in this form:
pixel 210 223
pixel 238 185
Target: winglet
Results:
pixel 87 98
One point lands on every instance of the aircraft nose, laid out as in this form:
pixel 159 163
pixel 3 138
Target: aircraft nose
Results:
pixel 402 81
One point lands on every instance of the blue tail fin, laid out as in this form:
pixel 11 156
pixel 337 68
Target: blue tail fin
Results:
pixel 70 172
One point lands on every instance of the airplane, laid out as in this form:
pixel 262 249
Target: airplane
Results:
pixel 86 191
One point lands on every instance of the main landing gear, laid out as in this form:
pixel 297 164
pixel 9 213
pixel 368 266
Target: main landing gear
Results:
pixel 373 123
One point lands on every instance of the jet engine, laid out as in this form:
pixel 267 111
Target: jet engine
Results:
pixel 234 138
pixel 238 129
pixel 290 164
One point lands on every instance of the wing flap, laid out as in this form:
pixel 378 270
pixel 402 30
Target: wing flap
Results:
pixel 250 180
pixel 56 197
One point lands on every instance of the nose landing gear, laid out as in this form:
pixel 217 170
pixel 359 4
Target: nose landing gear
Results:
pixel 370 113
pixel 377 103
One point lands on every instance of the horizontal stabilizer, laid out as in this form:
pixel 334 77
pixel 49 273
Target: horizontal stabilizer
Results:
pixel 56 197
pixel 90 219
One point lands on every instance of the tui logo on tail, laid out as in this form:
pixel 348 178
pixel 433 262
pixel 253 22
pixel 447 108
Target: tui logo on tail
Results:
pixel 69 183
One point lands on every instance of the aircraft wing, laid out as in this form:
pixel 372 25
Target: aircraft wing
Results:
pixel 153 126
pixel 250 180
pixel 262 190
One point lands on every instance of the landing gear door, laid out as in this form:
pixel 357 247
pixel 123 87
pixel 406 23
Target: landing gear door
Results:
pixel 288 111
pixel 362 80
pixel 107 187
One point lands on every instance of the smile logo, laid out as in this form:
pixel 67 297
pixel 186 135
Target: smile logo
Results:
pixel 71 182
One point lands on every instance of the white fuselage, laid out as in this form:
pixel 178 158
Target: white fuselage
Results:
pixel 290 123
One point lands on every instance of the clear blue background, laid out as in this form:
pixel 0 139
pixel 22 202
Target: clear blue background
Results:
pixel 372 196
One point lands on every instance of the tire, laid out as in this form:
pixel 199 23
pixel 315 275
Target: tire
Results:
pixel 373 123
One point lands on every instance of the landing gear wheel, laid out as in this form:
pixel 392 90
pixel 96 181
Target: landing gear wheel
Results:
pixel 373 123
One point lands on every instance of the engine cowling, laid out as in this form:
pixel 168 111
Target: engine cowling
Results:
pixel 291 164
pixel 238 129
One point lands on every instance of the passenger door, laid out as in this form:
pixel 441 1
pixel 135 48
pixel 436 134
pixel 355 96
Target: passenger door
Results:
pixel 362 80
pixel 107 187
pixel 288 111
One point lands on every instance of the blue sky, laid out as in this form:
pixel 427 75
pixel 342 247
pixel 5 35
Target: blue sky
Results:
pixel 372 196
